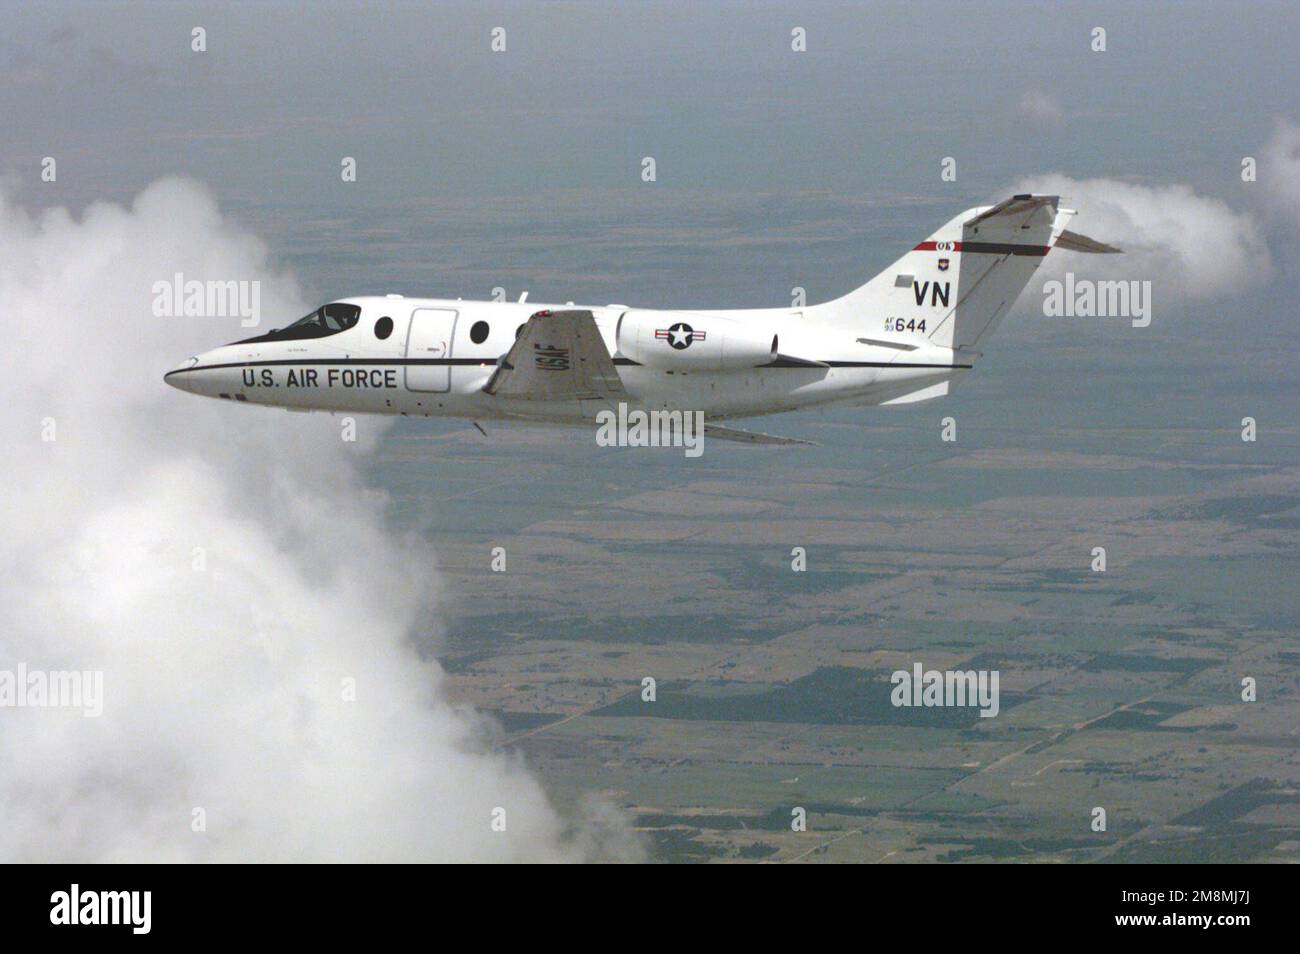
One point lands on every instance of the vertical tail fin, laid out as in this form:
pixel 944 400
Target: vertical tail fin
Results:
pixel 998 251
pixel 951 290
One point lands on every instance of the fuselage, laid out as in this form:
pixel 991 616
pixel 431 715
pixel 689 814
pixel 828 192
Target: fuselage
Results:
pixel 432 357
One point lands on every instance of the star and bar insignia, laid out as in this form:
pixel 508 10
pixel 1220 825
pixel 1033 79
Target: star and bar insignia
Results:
pixel 679 335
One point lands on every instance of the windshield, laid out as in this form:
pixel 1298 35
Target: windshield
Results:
pixel 327 320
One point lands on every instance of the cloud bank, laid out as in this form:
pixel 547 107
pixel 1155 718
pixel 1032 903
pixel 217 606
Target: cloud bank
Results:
pixel 1189 246
pixel 228 571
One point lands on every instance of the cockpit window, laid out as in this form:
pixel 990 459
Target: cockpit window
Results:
pixel 338 317
pixel 327 320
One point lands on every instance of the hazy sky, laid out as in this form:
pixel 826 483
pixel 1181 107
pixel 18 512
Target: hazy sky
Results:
pixel 584 90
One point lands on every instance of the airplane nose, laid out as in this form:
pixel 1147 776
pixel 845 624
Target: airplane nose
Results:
pixel 177 377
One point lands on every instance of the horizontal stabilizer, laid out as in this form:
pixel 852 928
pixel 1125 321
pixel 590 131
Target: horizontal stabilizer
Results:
pixel 921 394
pixel 1074 242
pixel 750 437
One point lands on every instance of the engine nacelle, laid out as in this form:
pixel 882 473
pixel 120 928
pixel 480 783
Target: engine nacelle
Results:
pixel 680 341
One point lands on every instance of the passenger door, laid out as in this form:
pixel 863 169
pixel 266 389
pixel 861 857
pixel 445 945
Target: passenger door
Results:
pixel 428 349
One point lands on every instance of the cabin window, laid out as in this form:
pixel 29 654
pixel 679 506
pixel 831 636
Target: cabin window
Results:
pixel 479 332
pixel 383 327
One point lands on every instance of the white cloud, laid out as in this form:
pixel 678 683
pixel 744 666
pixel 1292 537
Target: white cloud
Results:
pixel 1189 246
pixel 222 688
pixel 1039 107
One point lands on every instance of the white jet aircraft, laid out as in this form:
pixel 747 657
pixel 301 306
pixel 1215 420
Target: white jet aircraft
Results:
pixel 905 336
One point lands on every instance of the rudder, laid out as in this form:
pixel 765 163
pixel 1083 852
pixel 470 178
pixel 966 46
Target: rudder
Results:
pixel 997 253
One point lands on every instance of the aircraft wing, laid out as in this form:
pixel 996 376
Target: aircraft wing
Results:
pixel 559 356
pixel 721 433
